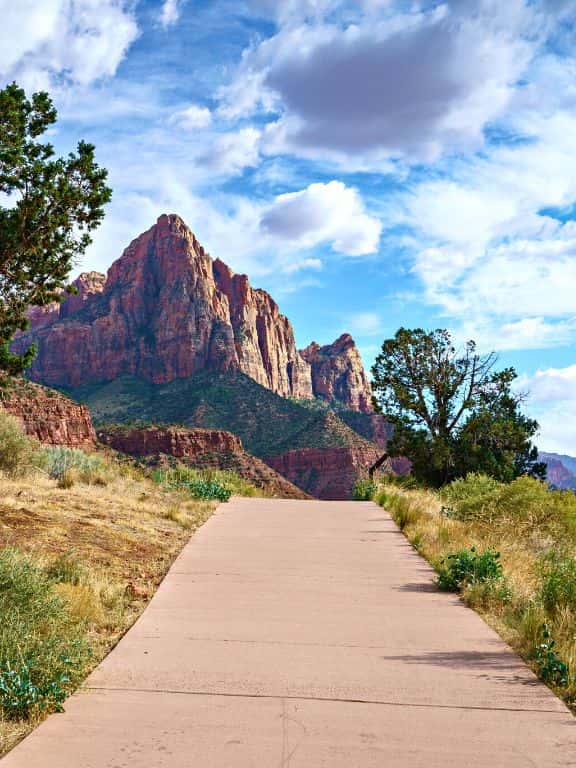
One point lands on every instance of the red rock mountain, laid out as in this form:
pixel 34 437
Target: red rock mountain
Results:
pixel 338 373
pixel 167 310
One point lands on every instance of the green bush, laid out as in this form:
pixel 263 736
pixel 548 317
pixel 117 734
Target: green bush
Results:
pixel 557 571
pixel 66 569
pixel 19 454
pixel 470 497
pixel 468 567
pixel 61 460
pixel 551 668
pixel 43 651
pixel 526 502
pixel 199 485
pixel 364 490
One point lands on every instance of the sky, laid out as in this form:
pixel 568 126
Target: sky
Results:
pixel 372 164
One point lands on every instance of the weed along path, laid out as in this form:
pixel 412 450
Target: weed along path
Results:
pixel 305 634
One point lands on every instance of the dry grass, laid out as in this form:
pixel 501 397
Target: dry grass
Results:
pixel 107 544
pixel 516 612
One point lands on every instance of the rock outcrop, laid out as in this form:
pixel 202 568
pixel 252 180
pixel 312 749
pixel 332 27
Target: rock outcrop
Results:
pixel 338 374
pixel 179 442
pixel 202 449
pixel 327 473
pixel 48 416
pixel 165 311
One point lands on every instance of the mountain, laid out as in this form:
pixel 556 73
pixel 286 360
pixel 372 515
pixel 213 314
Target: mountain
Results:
pixel 338 374
pixel 167 310
pixel 270 426
pixel 561 470
pixel 172 337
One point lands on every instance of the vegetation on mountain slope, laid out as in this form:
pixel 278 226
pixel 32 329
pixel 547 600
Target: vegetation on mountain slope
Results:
pixel 510 550
pixel 266 422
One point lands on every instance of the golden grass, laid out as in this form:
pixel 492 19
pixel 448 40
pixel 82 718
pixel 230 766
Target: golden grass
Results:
pixel 113 537
pixel 519 616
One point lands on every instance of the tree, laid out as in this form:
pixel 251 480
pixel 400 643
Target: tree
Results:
pixel 51 206
pixel 452 412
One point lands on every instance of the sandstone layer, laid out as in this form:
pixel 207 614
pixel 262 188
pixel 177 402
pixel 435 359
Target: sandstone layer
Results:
pixel 326 473
pixel 48 416
pixel 338 374
pixel 202 449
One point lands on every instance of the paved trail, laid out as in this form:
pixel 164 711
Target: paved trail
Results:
pixel 301 634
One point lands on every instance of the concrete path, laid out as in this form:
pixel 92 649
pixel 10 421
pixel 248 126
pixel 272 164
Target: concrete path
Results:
pixel 304 634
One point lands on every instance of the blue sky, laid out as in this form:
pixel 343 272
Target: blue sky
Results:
pixel 372 164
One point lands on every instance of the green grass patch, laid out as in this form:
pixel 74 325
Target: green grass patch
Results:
pixel 44 652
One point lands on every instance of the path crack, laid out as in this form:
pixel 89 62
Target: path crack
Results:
pixel 338 700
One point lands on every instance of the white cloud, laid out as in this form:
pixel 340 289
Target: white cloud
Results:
pixel 231 153
pixel 83 40
pixel 552 400
pixel 320 213
pixel 550 384
pixel 191 117
pixel 390 85
pixel 170 13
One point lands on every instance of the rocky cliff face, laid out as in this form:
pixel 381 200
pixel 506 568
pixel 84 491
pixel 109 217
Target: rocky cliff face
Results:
pixel 50 417
pixel 327 473
pixel 166 310
pixel 179 442
pixel 338 374
pixel 202 449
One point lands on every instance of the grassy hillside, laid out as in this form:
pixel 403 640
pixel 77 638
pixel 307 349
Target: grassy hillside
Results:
pixel 324 430
pixel 85 539
pixel 267 423
pixel 510 551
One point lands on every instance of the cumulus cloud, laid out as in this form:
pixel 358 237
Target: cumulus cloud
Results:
pixel 415 84
pixel 552 398
pixel 170 13
pixel 329 212
pixel 231 153
pixel 551 384
pixel 81 41
pixel 191 117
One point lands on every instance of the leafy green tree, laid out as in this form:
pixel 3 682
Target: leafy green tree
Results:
pixel 452 412
pixel 50 207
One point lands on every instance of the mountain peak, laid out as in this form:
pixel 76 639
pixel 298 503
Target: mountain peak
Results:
pixel 338 373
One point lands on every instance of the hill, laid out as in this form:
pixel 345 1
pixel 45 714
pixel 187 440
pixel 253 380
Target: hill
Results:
pixel 268 425
pixel 561 470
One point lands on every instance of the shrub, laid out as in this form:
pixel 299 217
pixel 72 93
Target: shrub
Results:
pixel 527 503
pixel 198 485
pixel 470 497
pixel 551 668
pixel 18 452
pixel 42 650
pixel 67 569
pixel 468 567
pixel 61 461
pixel 557 570
pixel 364 490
